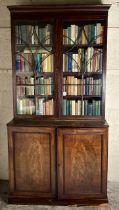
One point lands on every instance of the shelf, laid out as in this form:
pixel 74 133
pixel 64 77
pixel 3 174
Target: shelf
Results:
pixel 32 48
pixel 74 47
pixel 25 84
pixel 35 74
pixel 26 96
pixel 72 97
pixel 45 96
pixel 79 74
pixel 38 74
pixel 33 45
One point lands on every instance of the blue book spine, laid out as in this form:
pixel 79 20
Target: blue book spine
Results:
pixel 70 61
pixel 18 62
pixel 93 33
pixel 87 87
pixel 37 63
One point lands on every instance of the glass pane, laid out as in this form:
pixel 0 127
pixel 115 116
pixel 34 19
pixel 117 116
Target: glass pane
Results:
pixel 82 69
pixel 35 69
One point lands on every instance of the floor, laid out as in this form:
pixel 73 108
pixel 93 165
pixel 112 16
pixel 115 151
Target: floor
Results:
pixel 113 195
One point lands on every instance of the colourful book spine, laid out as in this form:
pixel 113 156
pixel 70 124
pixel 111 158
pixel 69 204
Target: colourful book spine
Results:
pixel 90 109
pixel 39 106
pixel 73 107
pixel 98 33
pixel 68 107
pixel 86 33
pixel 38 62
pixel 18 62
pixel 22 61
pixel 79 107
pixel 70 61
pixel 64 107
pixel 36 34
pixel 93 33
pixel 85 107
pixel 23 34
pixel 94 107
pixel 17 34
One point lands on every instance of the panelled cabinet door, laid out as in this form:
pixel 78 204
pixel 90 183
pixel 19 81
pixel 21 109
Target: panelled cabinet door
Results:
pixel 82 162
pixel 32 161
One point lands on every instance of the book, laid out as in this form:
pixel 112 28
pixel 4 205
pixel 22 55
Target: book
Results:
pixel 18 62
pixel 39 106
pixel 70 62
pixel 38 62
pixel 23 33
pixel 64 107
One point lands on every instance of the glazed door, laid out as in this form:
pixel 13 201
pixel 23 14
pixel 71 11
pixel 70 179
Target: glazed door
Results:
pixel 32 161
pixel 82 163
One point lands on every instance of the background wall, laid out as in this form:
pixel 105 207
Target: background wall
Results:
pixel 112 85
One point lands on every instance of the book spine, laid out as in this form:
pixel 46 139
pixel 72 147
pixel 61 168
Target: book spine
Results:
pixel 18 62
pixel 69 35
pixel 70 62
pixel 64 107
pixel 68 107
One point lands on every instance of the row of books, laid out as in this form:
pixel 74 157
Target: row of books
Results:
pixel 83 34
pixel 39 62
pixel 44 106
pixel 30 80
pixel 45 90
pixel 25 106
pixel 85 107
pixel 45 86
pixel 25 80
pixel 87 86
pixel 44 80
pixel 34 34
pixel 86 60
pixel 25 90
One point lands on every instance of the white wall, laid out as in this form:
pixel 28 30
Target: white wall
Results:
pixel 112 83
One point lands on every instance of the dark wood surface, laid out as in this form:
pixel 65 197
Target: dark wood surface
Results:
pixel 82 157
pixel 32 161
pixel 28 200
pixel 77 175
pixel 60 8
pixel 57 123
pixel 37 200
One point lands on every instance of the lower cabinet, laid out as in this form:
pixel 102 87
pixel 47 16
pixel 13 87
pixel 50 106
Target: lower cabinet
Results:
pixel 67 165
